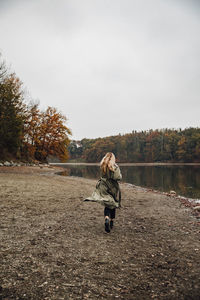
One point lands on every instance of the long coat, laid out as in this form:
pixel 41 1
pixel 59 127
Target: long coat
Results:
pixel 107 190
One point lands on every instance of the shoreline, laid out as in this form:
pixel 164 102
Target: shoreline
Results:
pixel 181 197
pixel 57 168
pixel 129 164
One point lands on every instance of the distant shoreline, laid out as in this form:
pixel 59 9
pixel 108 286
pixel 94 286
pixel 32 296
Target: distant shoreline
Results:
pixel 129 164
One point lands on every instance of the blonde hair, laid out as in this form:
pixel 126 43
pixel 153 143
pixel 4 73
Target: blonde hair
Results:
pixel 108 162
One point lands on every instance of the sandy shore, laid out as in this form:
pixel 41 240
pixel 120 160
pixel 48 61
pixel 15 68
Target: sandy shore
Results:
pixel 53 245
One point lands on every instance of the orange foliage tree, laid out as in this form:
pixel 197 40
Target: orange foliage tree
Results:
pixel 45 134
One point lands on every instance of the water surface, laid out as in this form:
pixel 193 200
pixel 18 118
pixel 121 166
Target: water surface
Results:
pixel 184 179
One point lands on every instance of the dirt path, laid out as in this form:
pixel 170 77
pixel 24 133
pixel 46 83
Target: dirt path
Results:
pixel 53 245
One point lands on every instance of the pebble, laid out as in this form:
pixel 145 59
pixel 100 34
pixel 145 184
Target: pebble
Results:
pixel 19 164
pixel 197 208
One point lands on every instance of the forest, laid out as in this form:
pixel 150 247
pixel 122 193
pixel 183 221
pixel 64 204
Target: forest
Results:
pixel 26 132
pixel 166 145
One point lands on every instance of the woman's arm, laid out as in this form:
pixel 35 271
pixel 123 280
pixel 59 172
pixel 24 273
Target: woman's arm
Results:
pixel 117 173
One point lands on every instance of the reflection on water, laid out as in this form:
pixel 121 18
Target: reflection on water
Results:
pixel 185 180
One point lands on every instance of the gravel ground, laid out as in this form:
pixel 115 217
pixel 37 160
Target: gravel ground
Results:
pixel 53 245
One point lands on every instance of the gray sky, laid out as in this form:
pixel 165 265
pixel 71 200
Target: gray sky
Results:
pixel 110 66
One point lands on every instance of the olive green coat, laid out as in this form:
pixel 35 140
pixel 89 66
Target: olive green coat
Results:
pixel 107 190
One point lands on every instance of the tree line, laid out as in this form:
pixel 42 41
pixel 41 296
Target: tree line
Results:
pixel 166 145
pixel 26 132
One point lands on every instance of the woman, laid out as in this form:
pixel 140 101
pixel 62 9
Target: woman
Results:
pixel 107 190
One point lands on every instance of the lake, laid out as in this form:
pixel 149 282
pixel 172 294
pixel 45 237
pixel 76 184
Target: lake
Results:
pixel 184 179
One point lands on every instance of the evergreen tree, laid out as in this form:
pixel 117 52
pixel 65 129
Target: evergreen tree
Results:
pixel 11 115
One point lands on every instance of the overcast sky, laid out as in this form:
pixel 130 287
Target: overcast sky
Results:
pixel 110 66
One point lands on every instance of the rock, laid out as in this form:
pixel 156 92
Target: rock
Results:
pixel 1 165
pixel 172 193
pixel 197 208
pixel 7 164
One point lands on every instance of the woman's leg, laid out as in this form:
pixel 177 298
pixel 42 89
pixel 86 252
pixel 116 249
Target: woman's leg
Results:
pixel 107 212
pixel 112 216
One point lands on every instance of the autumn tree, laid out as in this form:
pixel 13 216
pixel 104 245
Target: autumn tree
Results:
pixel 45 134
pixel 25 131
pixel 31 131
pixel 99 149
